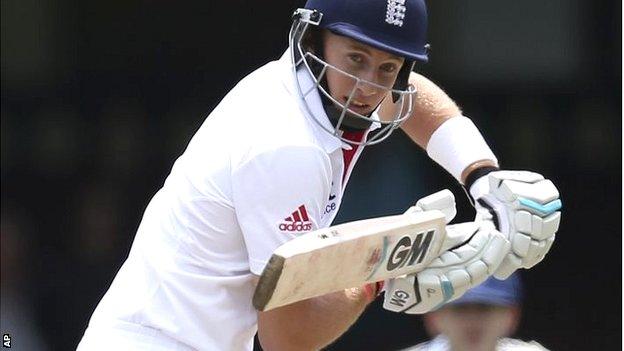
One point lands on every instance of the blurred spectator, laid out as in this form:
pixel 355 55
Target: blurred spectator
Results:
pixel 56 140
pixel 123 138
pixel 481 320
pixel 97 231
pixel 16 314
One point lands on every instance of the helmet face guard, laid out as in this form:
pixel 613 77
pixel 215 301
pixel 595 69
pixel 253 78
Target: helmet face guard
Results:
pixel 317 68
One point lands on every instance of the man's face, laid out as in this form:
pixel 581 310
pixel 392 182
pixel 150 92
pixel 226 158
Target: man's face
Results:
pixel 474 327
pixel 364 62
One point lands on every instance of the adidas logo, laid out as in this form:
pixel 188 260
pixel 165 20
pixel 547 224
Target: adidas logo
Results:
pixel 297 222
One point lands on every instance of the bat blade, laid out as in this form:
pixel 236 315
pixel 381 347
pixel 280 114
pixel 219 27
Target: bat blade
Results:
pixel 349 255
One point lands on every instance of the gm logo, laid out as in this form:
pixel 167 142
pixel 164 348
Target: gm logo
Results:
pixel 399 298
pixel 408 252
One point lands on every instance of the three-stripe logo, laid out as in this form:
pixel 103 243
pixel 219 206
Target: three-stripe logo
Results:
pixel 298 221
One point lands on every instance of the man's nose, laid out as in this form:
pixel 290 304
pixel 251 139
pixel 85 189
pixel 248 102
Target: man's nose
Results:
pixel 364 86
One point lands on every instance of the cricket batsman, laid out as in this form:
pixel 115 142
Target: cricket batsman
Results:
pixel 271 162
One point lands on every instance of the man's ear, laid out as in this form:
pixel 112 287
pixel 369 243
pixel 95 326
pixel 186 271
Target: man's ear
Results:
pixel 313 40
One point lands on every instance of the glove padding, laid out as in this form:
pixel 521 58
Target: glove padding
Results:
pixel 443 201
pixel 453 273
pixel 524 207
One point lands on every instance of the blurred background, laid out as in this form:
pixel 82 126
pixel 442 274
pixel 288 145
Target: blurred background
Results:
pixel 100 97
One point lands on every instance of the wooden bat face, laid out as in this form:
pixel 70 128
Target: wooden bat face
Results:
pixel 350 255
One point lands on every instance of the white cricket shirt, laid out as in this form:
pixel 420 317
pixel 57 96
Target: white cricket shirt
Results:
pixel 258 172
pixel 441 343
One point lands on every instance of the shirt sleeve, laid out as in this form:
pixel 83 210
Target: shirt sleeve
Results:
pixel 279 195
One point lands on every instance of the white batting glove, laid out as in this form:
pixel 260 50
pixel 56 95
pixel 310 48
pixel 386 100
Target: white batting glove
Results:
pixel 525 208
pixel 443 201
pixel 453 273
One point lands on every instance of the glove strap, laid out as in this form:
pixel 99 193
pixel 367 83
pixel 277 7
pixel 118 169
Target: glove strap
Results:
pixel 478 173
pixel 472 178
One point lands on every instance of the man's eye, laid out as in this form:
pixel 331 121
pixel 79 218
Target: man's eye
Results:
pixel 356 58
pixel 388 67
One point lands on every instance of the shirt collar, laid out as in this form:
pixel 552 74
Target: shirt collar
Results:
pixel 439 343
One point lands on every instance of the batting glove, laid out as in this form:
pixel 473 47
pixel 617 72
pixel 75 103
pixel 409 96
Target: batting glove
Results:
pixel 525 208
pixel 451 274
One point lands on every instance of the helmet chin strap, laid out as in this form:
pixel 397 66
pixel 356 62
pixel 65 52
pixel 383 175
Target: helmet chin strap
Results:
pixel 402 79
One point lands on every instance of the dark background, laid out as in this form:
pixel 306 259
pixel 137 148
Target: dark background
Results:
pixel 100 97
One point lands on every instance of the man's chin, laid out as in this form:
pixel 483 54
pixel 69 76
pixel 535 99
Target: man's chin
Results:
pixel 361 111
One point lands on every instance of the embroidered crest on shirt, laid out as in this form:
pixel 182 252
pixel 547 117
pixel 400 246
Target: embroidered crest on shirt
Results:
pixel 298 221
pixel 395 12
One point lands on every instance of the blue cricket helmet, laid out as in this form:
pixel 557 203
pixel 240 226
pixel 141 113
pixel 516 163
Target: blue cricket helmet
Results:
pixel 398 27
pixel 395 26
pixel 496 292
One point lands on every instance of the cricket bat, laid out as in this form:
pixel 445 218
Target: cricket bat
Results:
pixel 350 255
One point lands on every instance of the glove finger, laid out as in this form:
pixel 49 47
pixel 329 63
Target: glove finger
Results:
pixel 479 240
pixel 541 198
pixel 495 252
pixel 530 251
pixel 548 245
pixel 400 294
pixel 486 242
pixel 443 201
pixel 404 294
pixel 537 251
pixel 495 178
pixel 541 191
pixel 461 281
pixel 450 286
pixel 457 234
pixel 478 271
pixel 448 258
pixel 466 252
pixel 537 227
pixel 509 265
pixel 520 244
pixel 484 214
pixel 436 290
pixel 546 227
pixel 549 242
